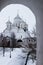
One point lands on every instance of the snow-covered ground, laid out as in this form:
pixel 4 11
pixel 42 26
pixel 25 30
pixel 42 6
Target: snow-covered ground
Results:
pixel 17 58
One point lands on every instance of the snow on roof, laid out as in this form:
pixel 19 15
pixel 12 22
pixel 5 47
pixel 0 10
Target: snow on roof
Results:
pixel 7 33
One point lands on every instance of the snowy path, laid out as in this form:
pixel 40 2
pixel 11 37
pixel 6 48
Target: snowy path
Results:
pixel 18 58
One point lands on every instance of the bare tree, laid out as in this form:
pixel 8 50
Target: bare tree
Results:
pixel 34 31
pixel 13 40
pixel 4 44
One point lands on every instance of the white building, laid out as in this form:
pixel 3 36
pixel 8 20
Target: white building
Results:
pixel 19 28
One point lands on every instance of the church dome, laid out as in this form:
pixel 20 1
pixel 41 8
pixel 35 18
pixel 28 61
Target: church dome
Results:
pixel 17 17
pixel 17 21
pixel 9 24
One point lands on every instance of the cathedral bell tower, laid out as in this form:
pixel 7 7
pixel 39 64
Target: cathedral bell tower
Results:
pixel 8 23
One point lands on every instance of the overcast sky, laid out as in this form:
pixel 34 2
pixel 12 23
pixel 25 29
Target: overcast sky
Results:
pixel 11 11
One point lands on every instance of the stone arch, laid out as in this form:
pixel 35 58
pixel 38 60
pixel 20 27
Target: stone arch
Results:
pixel 23 2
pixel 37 7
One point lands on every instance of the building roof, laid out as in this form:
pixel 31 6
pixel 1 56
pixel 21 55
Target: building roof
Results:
pixel 8 22
pixel 18 17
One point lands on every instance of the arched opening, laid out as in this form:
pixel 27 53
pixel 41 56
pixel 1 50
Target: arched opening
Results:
pixel 25 14
pixel 19 40
pixel 37 7
pixel 19 43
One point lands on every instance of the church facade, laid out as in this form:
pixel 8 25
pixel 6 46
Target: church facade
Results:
pixel 19 28
pixel 18 32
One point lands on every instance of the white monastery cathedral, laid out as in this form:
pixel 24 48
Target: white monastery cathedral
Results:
pixel 16 34
pixel 19 28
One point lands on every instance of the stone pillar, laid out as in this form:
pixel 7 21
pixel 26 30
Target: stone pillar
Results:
pixel 39 38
